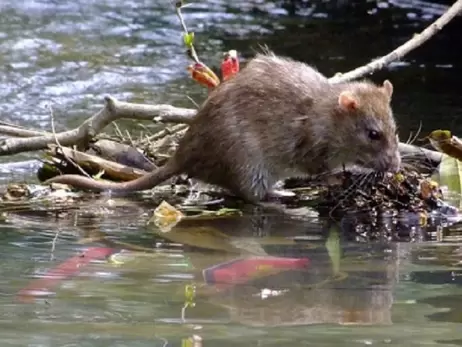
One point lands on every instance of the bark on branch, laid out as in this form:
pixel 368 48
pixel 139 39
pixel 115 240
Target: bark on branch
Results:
pixel 112 111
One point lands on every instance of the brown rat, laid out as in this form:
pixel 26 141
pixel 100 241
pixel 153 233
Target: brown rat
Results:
pixel 276 118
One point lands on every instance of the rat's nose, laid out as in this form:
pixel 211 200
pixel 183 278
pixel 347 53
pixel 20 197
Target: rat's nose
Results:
pixel 393 162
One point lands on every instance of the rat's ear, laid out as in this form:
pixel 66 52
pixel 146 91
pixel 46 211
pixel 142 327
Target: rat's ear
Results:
pixel 348 101
pixel 388 88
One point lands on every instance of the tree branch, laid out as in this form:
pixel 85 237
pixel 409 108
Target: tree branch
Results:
pixel 113 110
pixel 18 131
pixel 404 49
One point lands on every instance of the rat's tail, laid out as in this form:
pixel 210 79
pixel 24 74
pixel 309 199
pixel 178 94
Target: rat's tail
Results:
pixel 145 182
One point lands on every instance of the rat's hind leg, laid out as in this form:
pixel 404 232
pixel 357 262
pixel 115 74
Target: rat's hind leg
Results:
pixel 252 183
pixel 238 169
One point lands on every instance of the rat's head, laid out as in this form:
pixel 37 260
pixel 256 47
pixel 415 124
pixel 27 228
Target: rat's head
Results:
pixel 371 132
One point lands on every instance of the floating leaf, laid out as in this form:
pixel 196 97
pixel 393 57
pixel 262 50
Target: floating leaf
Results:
pixel 443 141
pixel 188 39
pixel 428 189
pixel 229 65
pixel 201 236
pixel 166 216
pixel 203 75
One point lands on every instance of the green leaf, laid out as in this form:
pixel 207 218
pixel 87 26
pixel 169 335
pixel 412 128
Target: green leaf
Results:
pixel 450 175
pixel 188 39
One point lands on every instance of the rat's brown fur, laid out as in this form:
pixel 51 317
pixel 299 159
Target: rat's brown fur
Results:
pixel 276 118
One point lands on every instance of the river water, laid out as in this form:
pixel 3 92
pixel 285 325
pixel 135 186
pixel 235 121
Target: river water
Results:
pixel 323 288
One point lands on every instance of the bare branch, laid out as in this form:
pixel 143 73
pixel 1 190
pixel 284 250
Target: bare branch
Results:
pixel 404 49
pixel 408 150
pixel 113 110
pixel 110 168
pixel 17 131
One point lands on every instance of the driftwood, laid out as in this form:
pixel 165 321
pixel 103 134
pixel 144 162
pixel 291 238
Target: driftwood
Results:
pixel 23 140
pixel 111 169
pixel 113 110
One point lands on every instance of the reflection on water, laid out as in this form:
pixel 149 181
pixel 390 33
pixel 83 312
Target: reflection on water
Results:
pixel 261 278
pixel 258 276
pixel 257 279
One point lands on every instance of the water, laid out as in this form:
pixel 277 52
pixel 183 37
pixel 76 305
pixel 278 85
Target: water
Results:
pixel 69 54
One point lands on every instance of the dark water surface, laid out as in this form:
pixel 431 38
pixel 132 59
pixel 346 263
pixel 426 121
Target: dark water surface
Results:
pixel 259 279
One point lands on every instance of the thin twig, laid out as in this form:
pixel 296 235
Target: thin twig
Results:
pixel 53 245
pixel 192 101
pixel 167 131
pixel 417 133
pixel 145 128
pixel 118 131
pixel 192 51
pixel 404 49
pixel 69 160
pixel 53 130
pixel 130 140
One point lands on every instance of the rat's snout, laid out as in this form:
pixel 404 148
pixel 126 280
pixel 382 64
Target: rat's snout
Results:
pixel 391 161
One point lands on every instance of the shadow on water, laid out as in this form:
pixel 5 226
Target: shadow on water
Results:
pixel 260 278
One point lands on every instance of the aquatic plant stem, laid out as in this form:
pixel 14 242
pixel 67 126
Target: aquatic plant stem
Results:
pixel 191 50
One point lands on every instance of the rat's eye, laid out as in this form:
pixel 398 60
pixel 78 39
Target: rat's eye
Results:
pixel 374 135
